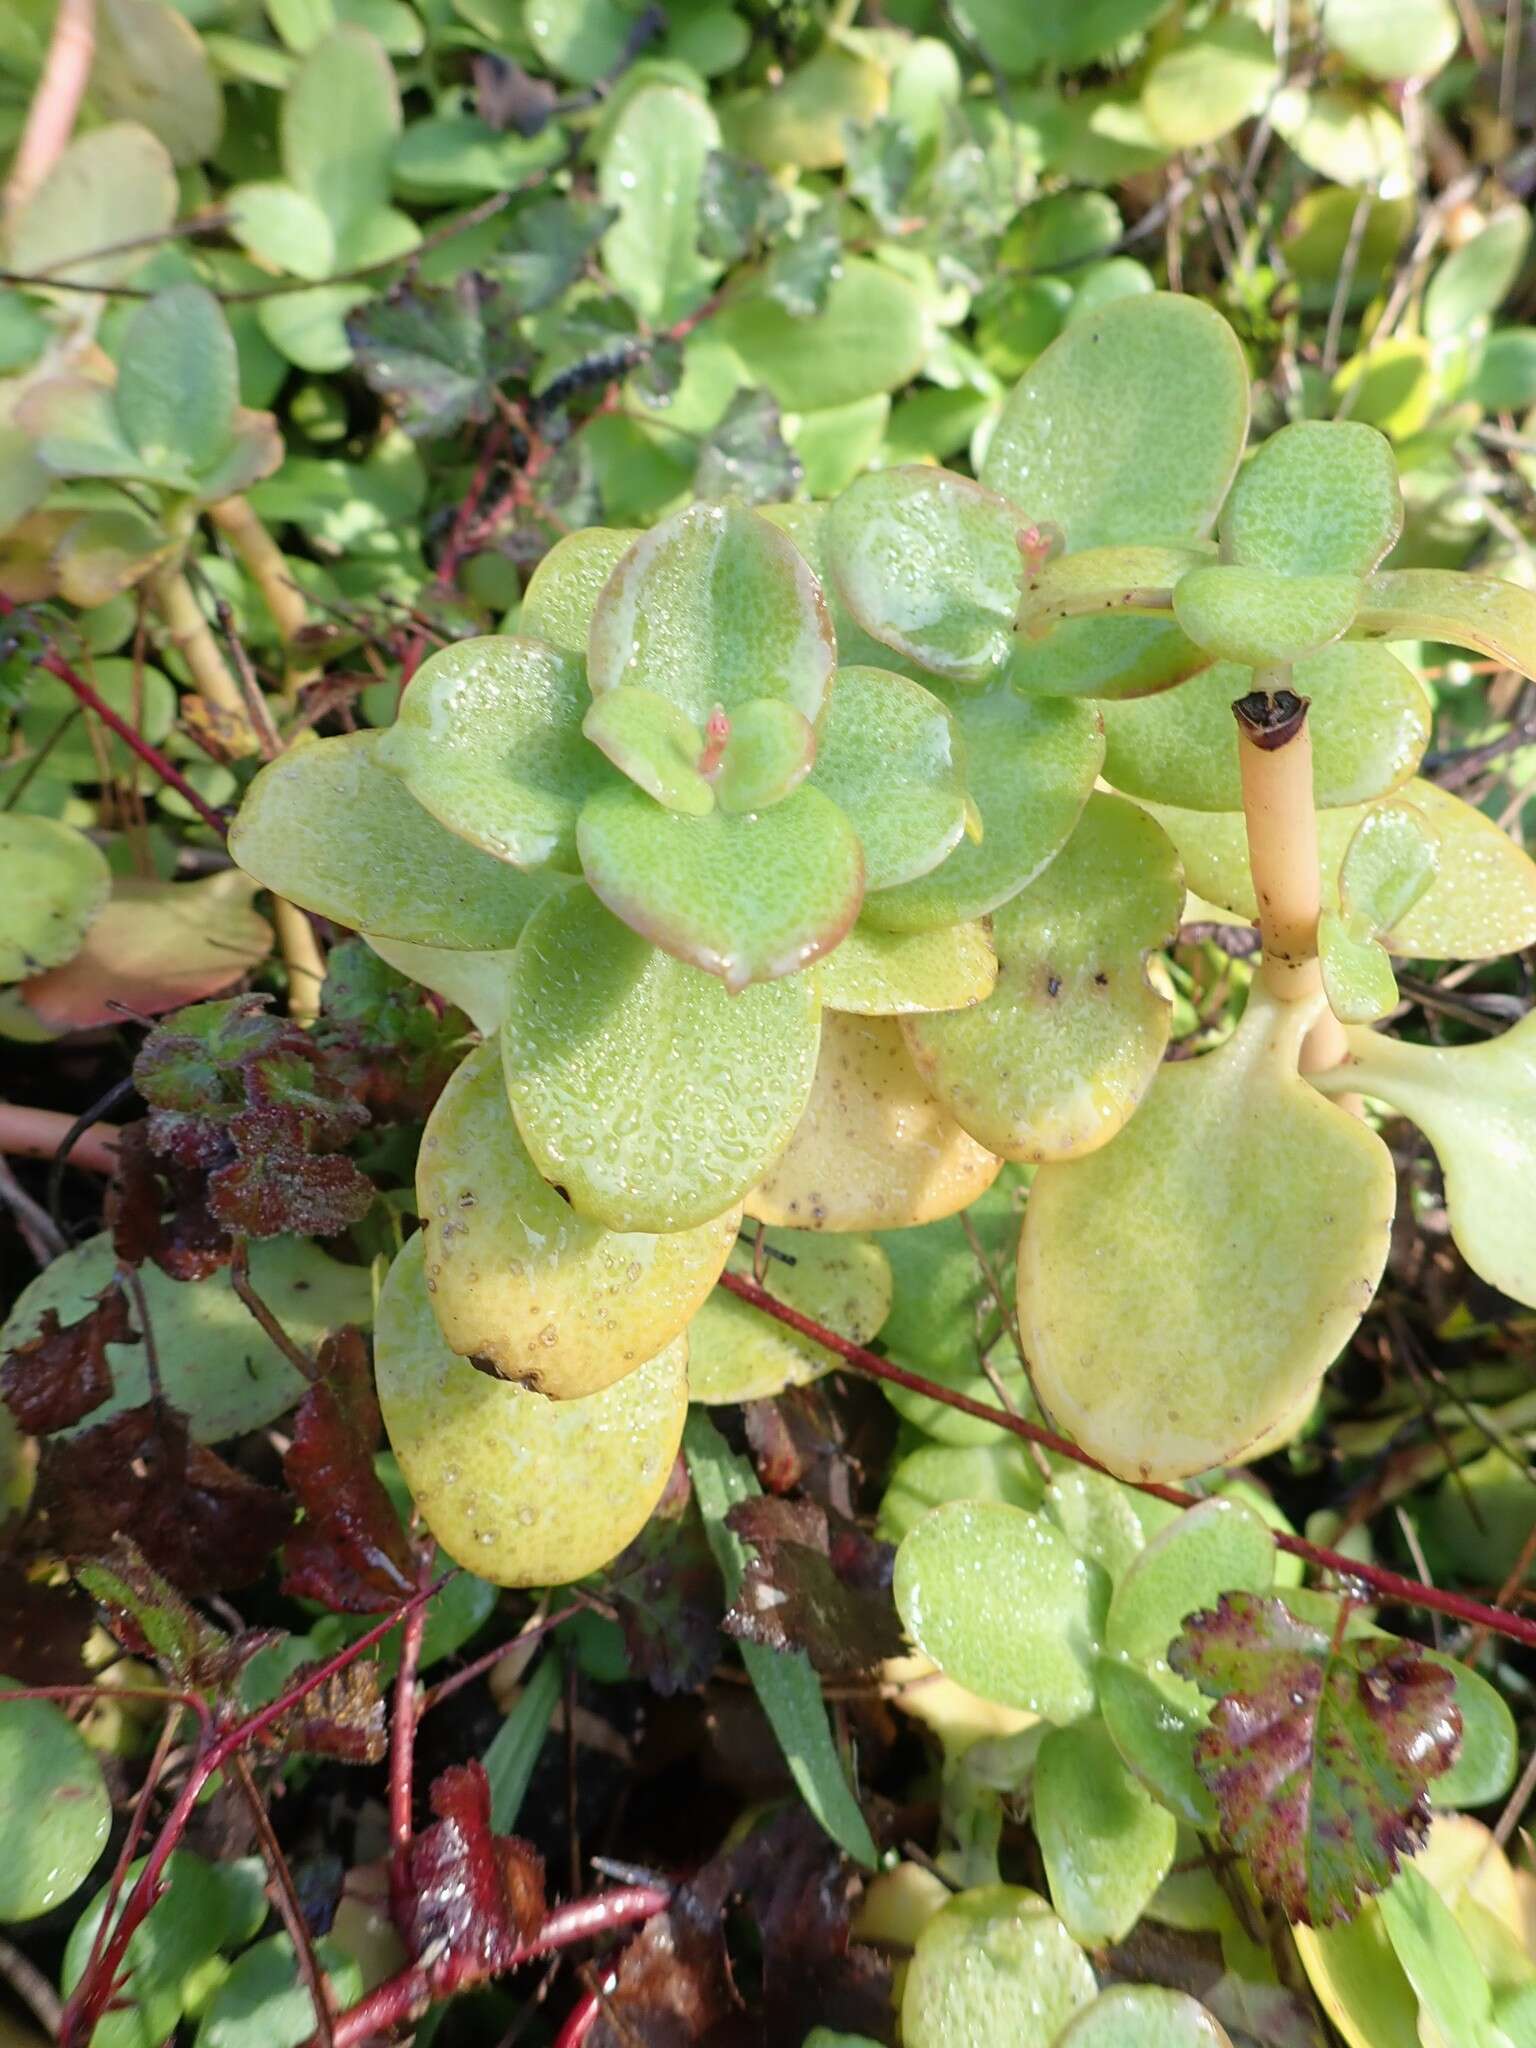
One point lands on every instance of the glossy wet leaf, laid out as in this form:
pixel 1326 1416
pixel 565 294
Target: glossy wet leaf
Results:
pixel 1030 765
pixel 521 1283
pixel 871 335
pixel 329 827
pixel 563 590
pixel 1153 1719
pixel 59 1814
pixel 1386 868
pixel 1320 1750
pixel 489 740
pixel 58 881
pixel 737 1353
pixel 1128 428
pixel 994 1965
pixel 1003 1604
pixel 1319 498
pixel 713 606
pixel 1388 41
pixel 1144 2016
pixel 749 898
pixel 874 1150
pixel 768 754
pixel 640 1086
pixel 934 1473
pixel 217 1366
pixel 1225 1152
pixel 1204 1553
pixel 1489 1756
pixel 928 563
pixel 525 1490
pixel 1477 1106
pixel 652 170
pixel 1483 612
pixel 892 756
pixel 1261 617
pixel 1056 1059
pixel 874 973
pixel 655 744
pixel 1369 720
pixel 1106 1842
pixel 1209 82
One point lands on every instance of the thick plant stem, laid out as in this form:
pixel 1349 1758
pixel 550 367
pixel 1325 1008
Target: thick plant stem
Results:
pixel 56 102
pixel 302 958
pixel 211 675
pixel 267 568
pixel 1275 756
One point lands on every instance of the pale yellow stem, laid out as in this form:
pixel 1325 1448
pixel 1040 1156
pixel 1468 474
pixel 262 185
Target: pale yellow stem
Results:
pixel 302 958
pixel 268 569
pixel 211 675
pixel 56 102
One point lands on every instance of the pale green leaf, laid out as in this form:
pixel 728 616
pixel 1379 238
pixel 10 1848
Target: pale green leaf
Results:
pixel 652 169
pixel 994 1965
pixel 56 883
pixel 1320 498
pixel 737 1353
pixel 891 756
pixel 1106 1842
pixel 338 126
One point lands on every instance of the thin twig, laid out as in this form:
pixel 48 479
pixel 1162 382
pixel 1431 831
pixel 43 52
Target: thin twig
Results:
pixel 32 1988
pixel 240 1280
pixel 41 1235
pixel 289 1909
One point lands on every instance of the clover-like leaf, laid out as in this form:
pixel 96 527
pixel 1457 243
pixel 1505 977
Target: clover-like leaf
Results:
pixel 329 827
pixel 563 591
pixel 929 563
pixel 713 606
pixel 1145 2016
pixel 874 973
pixel 1056 1059
pixel 1482 901
pixel 892 756
pixel 640 1085
pixel 1227 1153
pixel 57 883
pixel 1369 718
pixel 525 1490
pixel 1483 612
pixel 736 1353
pixel 522 1284
pixel 1262 618
pixel 1030 766
pixel 874 1150
pixel 489 740
pixel 655 744
pixel 1320 498
pixel 1477 1106
pixel 748 898
pixel 769 750
pixel 1106 1841
pixel 1319 1751
pixel 1386 868
pixel 995 1964
pixel 1003 1604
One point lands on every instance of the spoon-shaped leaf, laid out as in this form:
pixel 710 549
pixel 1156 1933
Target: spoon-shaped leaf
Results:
pixel 714 606
pixel 892 756
pixel 523 1490
pixel 928 562
pixel 522 1284
pixel 748 898
pixel 1319 498
pixel 653 1097
pixel 1477 1106
pixel 1482 901
pixel 58 1814
pixel 1106 1842
pixel 1031 763
pixel 1144 2016
pixel 874 1150
pixel 329 827
pixel 994 1965
pixel 1261 618
pixel 736 1353
pixel 768 754
pixel 1128 428
pixel 56 882
pixel 1056 1059
pixel 1369 720
pixel 489 740
pixel 1386 868
pixel 1003 1605
pixel 1291 1209
pixel 563 591
pixel 874 973
pixel 657 746
pixel 1495 617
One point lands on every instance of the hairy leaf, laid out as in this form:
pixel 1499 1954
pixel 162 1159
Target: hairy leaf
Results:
pixel 151 1619
pixel 391 1046
pixel 350 1552
pixel 62 1373
pixel 342 1718
pixel 475 1896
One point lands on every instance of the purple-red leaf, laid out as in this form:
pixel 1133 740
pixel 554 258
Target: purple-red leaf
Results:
pixel 1320 1749
pixel 274 1189
pixel 814 1587
pixel 350 1552
pixel 157 1209
pixel 476 1897
pixel 62 1373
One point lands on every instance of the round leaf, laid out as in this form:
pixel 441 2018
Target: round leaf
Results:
pixel 1345 137
pixel 522 1284
pixel 338 125
pixel 56 1803
pixel 51 717
pixel 1106 1842
pixel 1056 1059
pixel 1003 1605
pixel 1320 498
pixel 890 974
pixel 873 1150
pixel 282 226
pixel 994 1965
pixel 56 883
pixel 1262 619
pixel 1209 82
pixel 768 754
pixel 168 1953
pixel 891 756
pixel 1144 2016
pixel 1096 1515
pixel 651 170
pixel 523 1490
pixel 640 1086
pixel 1215 1548
pixel 1292 1209
pixel 1388 40
pixel 264 2002
pixel 736 1353
pixel 935 1473
pixel 657 746
pixel 479 984
pixel 563 591
pixel 111 187
pixel 151 68
pixel 871 335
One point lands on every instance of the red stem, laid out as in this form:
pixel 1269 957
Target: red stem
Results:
pixel 579 2021
pixel 402 1758
pixel 1392 1585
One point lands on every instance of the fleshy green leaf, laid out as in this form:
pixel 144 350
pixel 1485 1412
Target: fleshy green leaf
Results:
pixel 768 754
pixel 56 883
pixel 1030 765
pixel 330 828
pixel 1056 1059
pixel 1126 578
pixel 652 171
pixel 714 606
pixel 264 2003
pixel 640 1086
pixel 803 119
pixel 890 974
pixel 338 125
pixel 1388 40
pixel 1227 1153
pixel 1369 721
pixel 892 757
pixel 1144 2016
pixel 178 379
pixel 657 745
pixel 1106 1842
pixel 479 984
pixel 1261 618
pixel 1153 1722
pixel 520 1282
pixel 928 562
pixel 1497 618
pixel 1209 82
pixel 1003 1605
pixel 1386 868
pixel 1319 1751
pixel 871 335
pixel 935 1473
pixel 489 740
pixel 995 1964
pixel 1320 498
pixel 736 1353
pixel 1209 1550
pixel 563 591
pixel 748 898
pixel 59 1814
